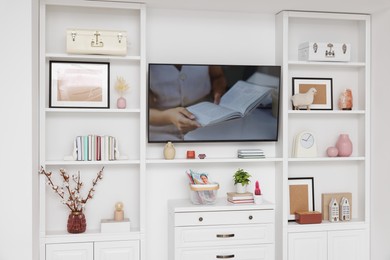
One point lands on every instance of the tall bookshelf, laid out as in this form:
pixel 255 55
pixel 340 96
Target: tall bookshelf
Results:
pixel 349 239
pixel 123 179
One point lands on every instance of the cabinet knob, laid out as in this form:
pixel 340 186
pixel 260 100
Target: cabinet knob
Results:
pixel 250 217
pixel 200 219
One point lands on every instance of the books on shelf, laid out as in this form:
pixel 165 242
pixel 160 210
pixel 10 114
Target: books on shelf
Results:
pixel 240 198
pixel 96 148
pixel 250 153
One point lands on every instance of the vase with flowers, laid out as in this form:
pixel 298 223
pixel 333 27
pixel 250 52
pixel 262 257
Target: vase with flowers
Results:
pixel 121 86
pixel 71 197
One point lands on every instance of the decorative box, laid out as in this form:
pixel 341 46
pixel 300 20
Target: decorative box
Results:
pixel 322 51
pixel 308 217
pixel 113 226
pixel 96 42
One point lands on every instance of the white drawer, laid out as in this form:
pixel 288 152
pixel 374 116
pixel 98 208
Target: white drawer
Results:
pixel 255 252
pixel 224 217
pixel 224 235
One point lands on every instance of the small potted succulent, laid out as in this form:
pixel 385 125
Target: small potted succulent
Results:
pixel 241 180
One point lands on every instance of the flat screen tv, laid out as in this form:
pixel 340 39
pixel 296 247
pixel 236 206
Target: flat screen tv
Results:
pixel 213 103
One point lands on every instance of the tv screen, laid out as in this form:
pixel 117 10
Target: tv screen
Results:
pixel 213 103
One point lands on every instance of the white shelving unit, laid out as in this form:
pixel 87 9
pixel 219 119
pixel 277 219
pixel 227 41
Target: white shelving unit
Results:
pixel 331 175
pixel 124 180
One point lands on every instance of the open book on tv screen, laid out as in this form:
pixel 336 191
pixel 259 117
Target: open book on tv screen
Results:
pixel 213 103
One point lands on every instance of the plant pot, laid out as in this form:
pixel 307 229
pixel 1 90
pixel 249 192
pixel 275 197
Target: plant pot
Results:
pixel 240 188
pixel 76 222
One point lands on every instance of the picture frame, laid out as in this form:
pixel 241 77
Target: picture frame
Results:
pixel 323 99
pixel 79 84
pixel 301 195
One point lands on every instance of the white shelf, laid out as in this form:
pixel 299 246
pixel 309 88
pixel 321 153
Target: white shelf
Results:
pixel 327 226
pixel 89 236
pixel 216 160
pixel 327 159
pixel 327 112
pixel 115 162
pixel 327 64
pixel 86 110
pixel 73 57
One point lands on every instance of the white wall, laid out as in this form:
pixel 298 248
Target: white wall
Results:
pixel 380 191
pixel 182 36
pixel 16 217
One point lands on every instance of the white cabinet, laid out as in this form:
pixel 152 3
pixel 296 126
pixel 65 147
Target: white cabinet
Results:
pixel 331 174
pixel 331 245
pixel 118 250
pixel 123 178
pixel 70 251
pixel 307 246
pixel 221 231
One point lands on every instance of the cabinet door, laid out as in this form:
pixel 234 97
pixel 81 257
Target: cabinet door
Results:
pixel 349 245
pixel 69 251
pixel 307 246
pixel 117 250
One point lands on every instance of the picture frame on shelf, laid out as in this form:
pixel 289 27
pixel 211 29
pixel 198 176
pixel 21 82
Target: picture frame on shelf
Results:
pixel 301 195
pixel 323 99
pixel 79 84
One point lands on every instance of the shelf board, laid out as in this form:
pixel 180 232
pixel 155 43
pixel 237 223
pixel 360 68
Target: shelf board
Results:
pixel 89 236
pixel 327 159
pixel 87 110
pixel 327 64
pixel 327 226
pixel 115 162
pixel 326 112
pixel 215 160
pixel 75 57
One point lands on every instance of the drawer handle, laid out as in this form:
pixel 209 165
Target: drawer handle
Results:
pixel 225 235
pixel 225 256
pixel 250 217
pixel 200 219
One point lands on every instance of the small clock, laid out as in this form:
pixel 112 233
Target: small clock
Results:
pixel 305 145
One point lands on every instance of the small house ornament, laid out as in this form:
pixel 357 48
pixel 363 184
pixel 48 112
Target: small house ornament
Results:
pixel 333 210
pixel 345 209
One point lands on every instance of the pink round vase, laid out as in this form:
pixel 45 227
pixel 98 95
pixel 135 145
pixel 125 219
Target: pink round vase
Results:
pixel 344 145
pixel 121 103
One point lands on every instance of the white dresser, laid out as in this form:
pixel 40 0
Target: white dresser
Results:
pixel 221 231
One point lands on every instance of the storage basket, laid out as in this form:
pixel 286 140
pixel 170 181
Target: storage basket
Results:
pixel 203 193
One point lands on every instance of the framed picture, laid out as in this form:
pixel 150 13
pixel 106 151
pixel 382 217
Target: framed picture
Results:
pixel 323 99
pixel 79 84
pixel 301 195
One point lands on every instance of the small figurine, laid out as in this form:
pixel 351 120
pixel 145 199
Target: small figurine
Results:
pixel 202 156
pixel 119 214
pixel 303 99
pixel 345 210
pixel 345 100
pixel 333 210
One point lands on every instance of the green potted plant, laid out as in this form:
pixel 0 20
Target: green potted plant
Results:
pixel 241 180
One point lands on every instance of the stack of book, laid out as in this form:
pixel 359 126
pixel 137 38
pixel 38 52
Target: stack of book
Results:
pixel 240 198
pixel 250 153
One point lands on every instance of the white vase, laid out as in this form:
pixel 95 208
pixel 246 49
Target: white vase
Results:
pixel 240 188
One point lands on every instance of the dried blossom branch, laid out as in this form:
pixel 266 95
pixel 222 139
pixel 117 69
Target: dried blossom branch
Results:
pixel 74 201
